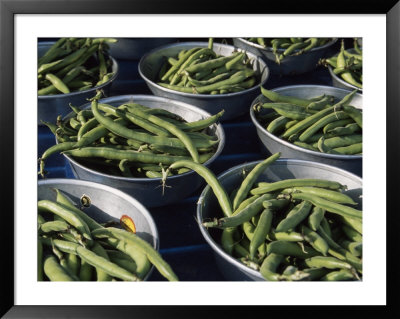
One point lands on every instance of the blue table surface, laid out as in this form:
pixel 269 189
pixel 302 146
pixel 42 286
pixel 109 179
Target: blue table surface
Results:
pixel 181 243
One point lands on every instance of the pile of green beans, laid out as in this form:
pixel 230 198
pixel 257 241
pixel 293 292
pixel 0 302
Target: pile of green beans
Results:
pixel 201 71
pixel 74 247
pixel 289 230
pixel 131 140
pixel 74 64
pixel 347 64
pixel 283 47
pixel 321 124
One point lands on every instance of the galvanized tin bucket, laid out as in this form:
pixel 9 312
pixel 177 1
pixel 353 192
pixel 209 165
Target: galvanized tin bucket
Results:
pixel 208 206
pixel 290 65
pixel 50 106
pixel 273 144
pixel 234 104
pixel 107 204
pixel 149 191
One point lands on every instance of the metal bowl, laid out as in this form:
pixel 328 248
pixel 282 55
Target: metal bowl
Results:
pixel 290 65
pixel 135 48
pixel 234 104
pixel 50 106
pixel 273 144
pixel 107 204
pixel 148 190
pixel 208 207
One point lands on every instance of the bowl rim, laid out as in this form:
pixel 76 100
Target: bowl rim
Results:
pixel 214 245
pixel 121 194
pixel 62 95
pixel 219 128
pixel 202 96
pixel 269 49
pixel 291 145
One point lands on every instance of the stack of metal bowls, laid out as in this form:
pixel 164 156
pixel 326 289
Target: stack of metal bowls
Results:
pixel 51 106
pixel 208 207
pixel 106 204
pixel 149 191
pixel 234 104
pixel 292 64
pixel 274 144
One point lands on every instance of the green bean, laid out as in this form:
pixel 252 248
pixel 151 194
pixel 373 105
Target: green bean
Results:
pixel 307 122
pixel 57 83
pixel 276 97
pixel 240 251
pixel 341 141
pixel 240 217
pixel 327 128
pixel 321 123
pixel 54 226
pixel 181 60
pixel 85 271
pixel 250 179
pixel 292 221
pixel 186 64
pixel 315 240
pixel 352 149
pixel 327 262
pixel 212 64
pixel 315 273
pixel 354 113
pixel 351 233
pixel 211 180
pixel 340 131
pixel 329 205
pixel 154 257
pixel 315 218
pixel 183 137
pixel 73 263
pixel 261 231
pixel 288 248
pixel 66 213
pixel 285 236
pixel 321 104
pixel 101 274
pixel 246 202
pixel 269 266
pixel 291 111
pixel 227 240
pixel 299 182
pixel 130 155
pixel 105 265
pixel 122 260
pixel 54 271
pixel 291 49
pixel 142 262
pixel 354 247
pixel 313 42
pixel 339 275
pixel 331 195
pixel 209 88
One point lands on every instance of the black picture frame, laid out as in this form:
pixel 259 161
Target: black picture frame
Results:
pixel 10 8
